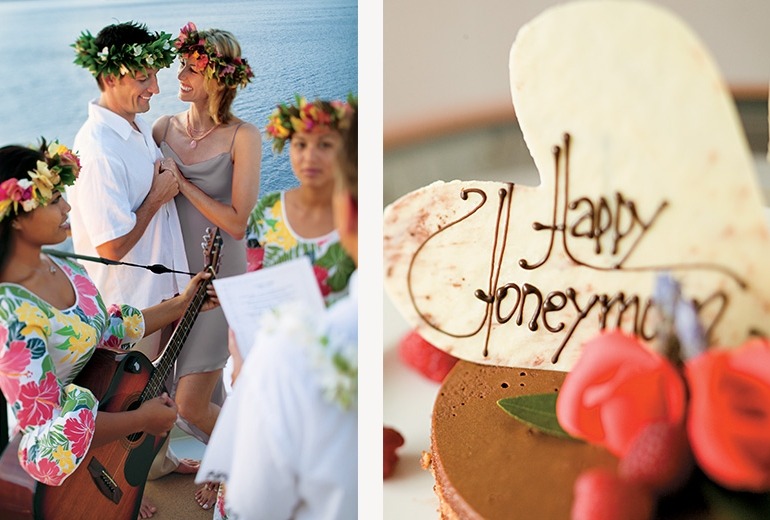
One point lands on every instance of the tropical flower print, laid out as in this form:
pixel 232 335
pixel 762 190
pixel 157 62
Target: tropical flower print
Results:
pixel 38 400
pixel 42 349
pixel 268 230
pixel 46 471
pixel 13 365
pixel 33 318
pixel 81 430
pixel 85 286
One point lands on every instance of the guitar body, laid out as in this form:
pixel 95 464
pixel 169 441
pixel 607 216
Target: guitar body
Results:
pixel 110 481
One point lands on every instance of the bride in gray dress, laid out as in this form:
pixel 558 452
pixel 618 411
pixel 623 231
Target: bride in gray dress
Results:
pixel 216 159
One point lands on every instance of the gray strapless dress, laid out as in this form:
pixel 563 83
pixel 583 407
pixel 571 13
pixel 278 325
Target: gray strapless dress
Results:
pixel 206 347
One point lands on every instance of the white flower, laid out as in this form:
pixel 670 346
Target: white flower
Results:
pixel 334 359
pixel 103 55
pixel 29 204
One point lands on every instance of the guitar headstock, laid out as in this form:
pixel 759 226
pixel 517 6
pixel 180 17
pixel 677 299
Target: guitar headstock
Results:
pixel 212 249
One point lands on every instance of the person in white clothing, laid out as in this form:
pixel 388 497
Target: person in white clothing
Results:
pixel 123 206
pixel 286 442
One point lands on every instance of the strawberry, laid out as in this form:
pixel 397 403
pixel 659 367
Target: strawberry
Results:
pixel 600 494
pixel 659 457
pixel 430 361
pixel 391 439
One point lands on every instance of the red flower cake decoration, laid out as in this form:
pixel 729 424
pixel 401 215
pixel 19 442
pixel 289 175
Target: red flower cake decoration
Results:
pixel 659 414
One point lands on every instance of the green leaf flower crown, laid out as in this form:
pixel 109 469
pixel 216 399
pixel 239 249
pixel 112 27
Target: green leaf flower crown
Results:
pixel 203 56
pixel 59 168
pixel 124 59
pixel 306 116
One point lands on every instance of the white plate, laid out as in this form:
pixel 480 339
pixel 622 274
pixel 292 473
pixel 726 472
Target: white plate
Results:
pixel 408 399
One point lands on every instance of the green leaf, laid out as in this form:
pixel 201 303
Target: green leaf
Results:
pixel 537 411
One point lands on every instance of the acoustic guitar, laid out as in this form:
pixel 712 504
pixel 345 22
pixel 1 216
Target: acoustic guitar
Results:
pixel 109 483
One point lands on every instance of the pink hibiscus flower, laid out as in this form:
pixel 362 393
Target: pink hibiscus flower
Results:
pixel 13 366
pixel 45 471
pixel 79 431
pixel 38 401
pixel 87 294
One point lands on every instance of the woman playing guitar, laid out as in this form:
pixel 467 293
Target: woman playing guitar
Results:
pixel 52 319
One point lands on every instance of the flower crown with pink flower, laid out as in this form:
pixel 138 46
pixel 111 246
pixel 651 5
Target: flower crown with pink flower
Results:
pixel 203 56
pixel 308 116
pixel 59 168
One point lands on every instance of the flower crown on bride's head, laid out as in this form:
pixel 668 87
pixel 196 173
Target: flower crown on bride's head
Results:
pixel 59 168
pixel 307 116
pixel 204 57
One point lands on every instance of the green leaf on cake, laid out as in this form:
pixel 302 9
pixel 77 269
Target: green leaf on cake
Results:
pixel 537 411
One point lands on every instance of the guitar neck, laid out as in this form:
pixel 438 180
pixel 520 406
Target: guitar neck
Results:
pixel 174 346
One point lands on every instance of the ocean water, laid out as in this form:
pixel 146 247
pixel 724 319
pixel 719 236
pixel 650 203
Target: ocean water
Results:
pixel 308 47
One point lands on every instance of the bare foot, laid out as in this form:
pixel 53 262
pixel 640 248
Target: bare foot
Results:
pixel 146 509
pixel 206 495
pixel 188 466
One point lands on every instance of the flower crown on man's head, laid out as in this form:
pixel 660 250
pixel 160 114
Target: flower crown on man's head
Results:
pixel 307 116
pixel 128 58
pixel 204 58
pixel 59 168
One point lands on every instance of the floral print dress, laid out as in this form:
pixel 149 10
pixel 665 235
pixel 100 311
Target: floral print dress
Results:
pixel 271 240
pixel 42 350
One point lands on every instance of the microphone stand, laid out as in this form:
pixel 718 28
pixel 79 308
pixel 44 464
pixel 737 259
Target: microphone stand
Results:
pixel 155 268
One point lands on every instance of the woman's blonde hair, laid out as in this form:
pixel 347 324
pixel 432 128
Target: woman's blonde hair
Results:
pixel 221 96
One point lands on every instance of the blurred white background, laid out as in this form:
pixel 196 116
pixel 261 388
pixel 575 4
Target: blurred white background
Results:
pixel 447 111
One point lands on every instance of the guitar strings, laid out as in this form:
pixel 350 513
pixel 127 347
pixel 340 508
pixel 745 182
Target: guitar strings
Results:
pixel 156 383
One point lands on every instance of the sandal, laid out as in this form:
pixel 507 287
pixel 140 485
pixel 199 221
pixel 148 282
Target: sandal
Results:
pixel 206 495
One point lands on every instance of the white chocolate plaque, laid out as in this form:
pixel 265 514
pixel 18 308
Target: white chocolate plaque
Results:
pixel 644 168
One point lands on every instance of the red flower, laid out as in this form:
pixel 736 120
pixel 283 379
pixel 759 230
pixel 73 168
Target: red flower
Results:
pixel 254 258
pixel 729 415
pixel 321 275
pixel 112 342
pixel 617 387
pixel 13 365
pixel 45 471
pixel 79 432
pixel 38 401
pixel 115 311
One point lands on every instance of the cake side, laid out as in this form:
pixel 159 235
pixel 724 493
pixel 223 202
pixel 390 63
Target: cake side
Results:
pixel 488 465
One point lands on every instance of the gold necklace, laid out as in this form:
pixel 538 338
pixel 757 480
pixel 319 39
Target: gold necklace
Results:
pixel 194 140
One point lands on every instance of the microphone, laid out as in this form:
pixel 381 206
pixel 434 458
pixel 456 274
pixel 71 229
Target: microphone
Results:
pixel 155 268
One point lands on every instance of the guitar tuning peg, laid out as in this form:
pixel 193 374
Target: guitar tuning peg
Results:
pixel 203 245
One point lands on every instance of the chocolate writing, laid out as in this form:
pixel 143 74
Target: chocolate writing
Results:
pixel 597 219
pixel 614 219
